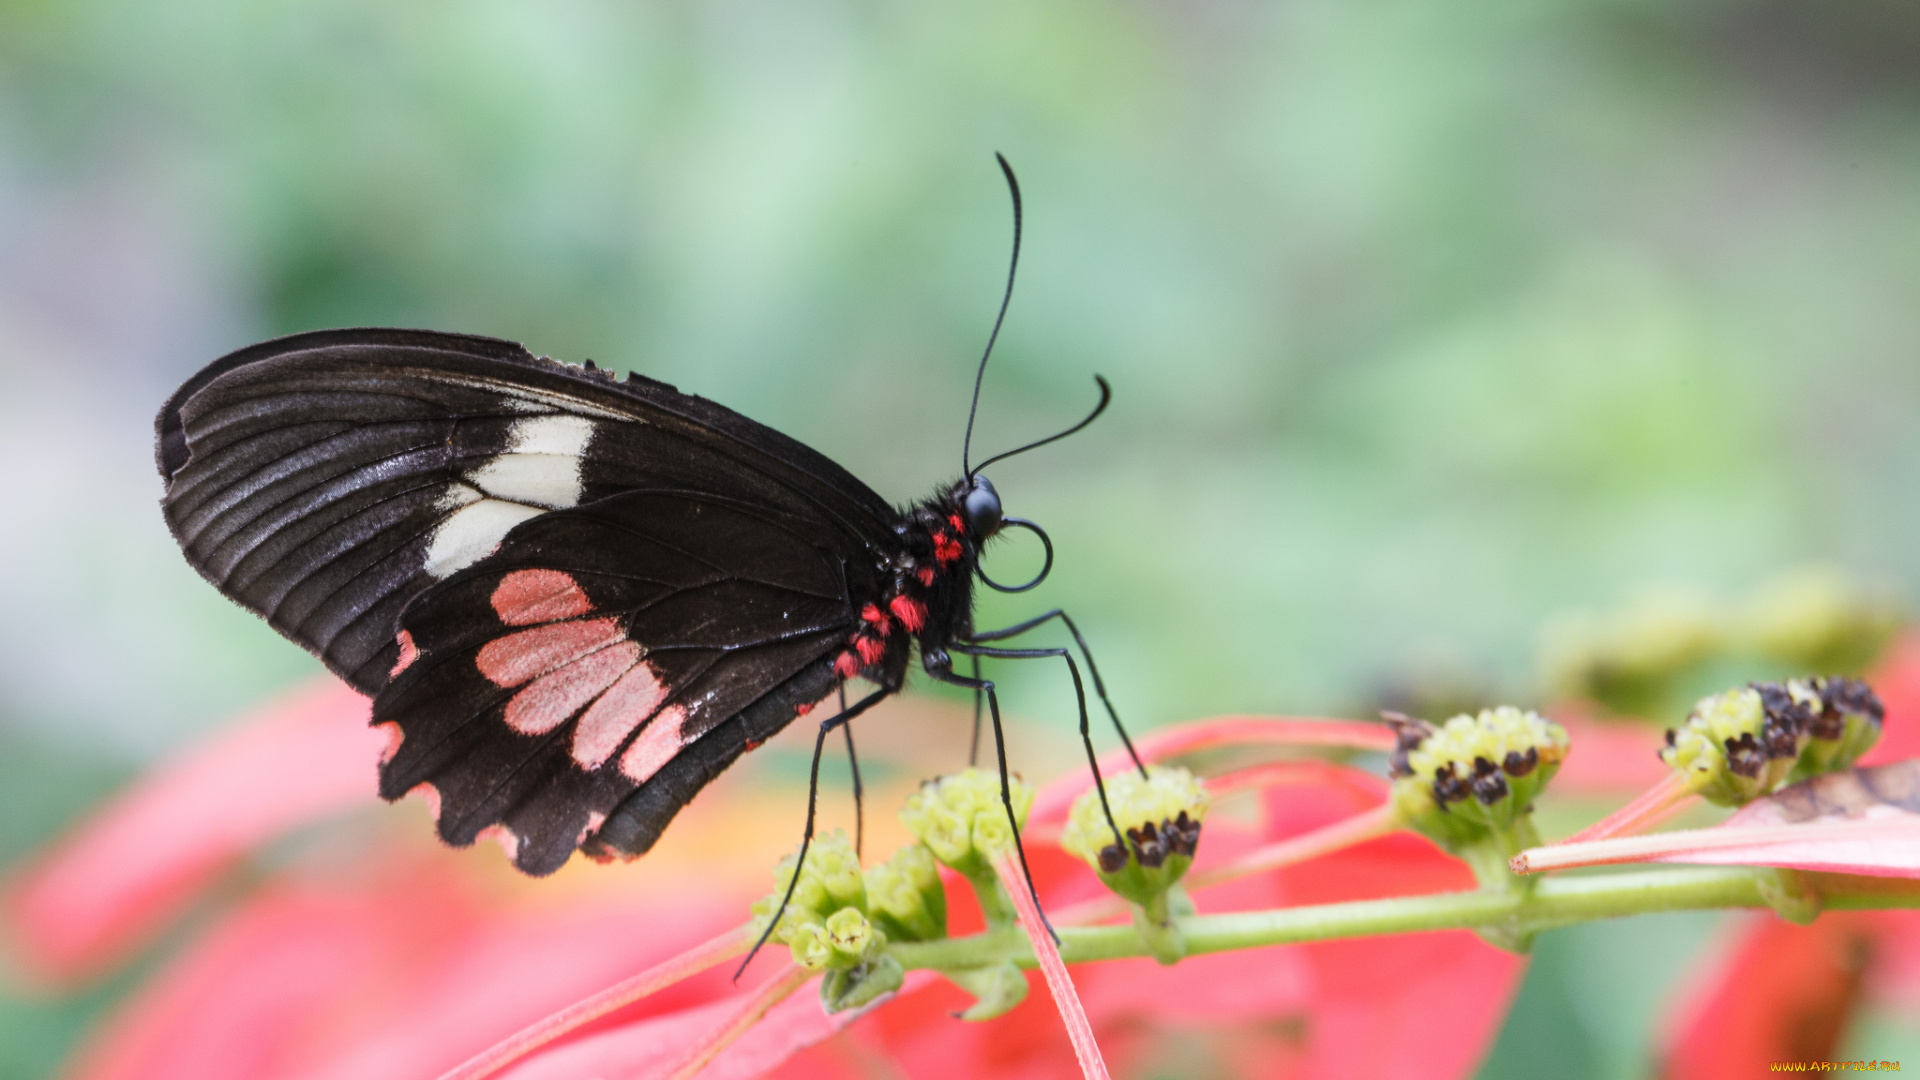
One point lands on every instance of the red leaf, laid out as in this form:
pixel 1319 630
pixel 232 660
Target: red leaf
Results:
pixel 1780 993
pixel 135 863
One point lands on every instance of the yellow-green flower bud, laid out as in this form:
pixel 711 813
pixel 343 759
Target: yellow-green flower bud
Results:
pixel 1729 750
pixel 905 897
pixel 832 861
pixel 851 935
pixel 1159 816
pixel 1820 618
pixel 961 820
pixel 826 909
pixel 1629 660
pixel 1741 744
pixel 811 946
pixel 1472 774
pixel 1846 726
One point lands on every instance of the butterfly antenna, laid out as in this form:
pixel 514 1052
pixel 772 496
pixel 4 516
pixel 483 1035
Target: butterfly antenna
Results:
pixel 1106 395
pixel 1013 188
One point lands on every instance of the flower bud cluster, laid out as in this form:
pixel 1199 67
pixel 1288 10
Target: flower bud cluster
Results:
pixel 825 923
pixel 1740 744
pixel 1158 814
pixel 839 919
pixel 962 821
pixel 1627 660
pixel 905 899
pixel 1472 774
pixel 1637 659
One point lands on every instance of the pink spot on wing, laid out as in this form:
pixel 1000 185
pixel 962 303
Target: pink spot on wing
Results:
pixel 508 840
pixel 658 742
pixel 516 658
pixel 408 654
pixel 525 597
pixel 395 737
pixel 429 794
pixel 608 721
pixel 546 702
pixel 595 819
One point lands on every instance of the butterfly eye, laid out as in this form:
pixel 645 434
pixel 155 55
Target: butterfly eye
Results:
pixel 982 508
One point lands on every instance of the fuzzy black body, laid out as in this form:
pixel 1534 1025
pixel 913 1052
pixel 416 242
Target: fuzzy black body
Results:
pixel 573 599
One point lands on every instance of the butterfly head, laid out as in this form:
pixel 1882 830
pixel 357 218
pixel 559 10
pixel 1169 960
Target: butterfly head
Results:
pixel 979 507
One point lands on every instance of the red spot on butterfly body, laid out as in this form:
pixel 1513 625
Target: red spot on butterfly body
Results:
pixel 526 597
pixel 911 613
pixel 409 652
pixel 878 618
pixel 871 649
pixel 945 548
pixel 958 525
pixel 846 665
pixel 925 575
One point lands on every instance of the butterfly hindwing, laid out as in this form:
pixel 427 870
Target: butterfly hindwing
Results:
pixel 606 661
pixel 326 480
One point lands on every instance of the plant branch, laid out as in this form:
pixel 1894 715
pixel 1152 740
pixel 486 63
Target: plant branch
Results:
pixel 1554 902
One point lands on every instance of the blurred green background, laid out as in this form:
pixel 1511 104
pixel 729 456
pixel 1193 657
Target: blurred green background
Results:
pixel 1425 322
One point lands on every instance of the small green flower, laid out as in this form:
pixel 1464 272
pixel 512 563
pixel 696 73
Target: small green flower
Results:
pixel 1474 775
pixel 905 897
pixel 1820 618
pixel 812 948
pixel 1160 816
pixel 824 923
pixel 1630 660
pixel 1741 744
pixel 1847 726
pixel 851 935
pixel 961 820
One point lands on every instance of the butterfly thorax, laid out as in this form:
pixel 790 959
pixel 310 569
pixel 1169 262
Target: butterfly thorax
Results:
pixel 928 591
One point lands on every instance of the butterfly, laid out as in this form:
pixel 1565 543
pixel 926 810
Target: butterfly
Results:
pixel 574 599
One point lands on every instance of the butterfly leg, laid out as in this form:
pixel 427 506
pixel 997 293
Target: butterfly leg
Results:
pixel 1099 687
pixel 813 799
pixel 979 700
pixel 1080 695
pixel 853 762
pixel 940 667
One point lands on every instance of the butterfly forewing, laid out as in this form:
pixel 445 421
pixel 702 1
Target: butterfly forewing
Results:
pixel 537 690
pixel 326 480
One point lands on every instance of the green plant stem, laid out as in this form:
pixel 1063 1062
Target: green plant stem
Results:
pixel 1558 901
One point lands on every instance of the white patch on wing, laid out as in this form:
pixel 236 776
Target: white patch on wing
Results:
pixel 472 533
pixel 541 465
pixel 537 472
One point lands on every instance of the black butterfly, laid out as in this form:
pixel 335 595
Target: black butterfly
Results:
pixel 574 599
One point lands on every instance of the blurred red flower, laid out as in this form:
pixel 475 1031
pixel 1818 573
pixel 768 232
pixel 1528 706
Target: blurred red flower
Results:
pixel 372 953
